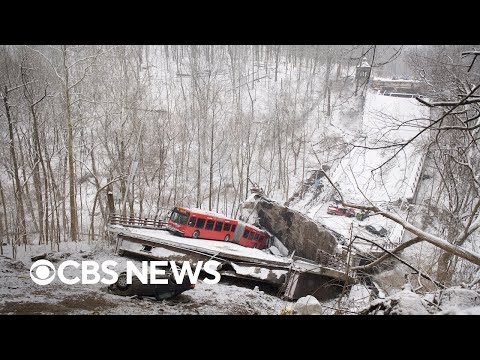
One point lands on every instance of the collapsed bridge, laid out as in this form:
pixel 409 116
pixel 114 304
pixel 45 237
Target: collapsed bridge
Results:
pixel 294 276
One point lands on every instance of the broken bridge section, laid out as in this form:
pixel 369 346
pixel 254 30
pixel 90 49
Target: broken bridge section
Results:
pixel 296 231
pixel 323 277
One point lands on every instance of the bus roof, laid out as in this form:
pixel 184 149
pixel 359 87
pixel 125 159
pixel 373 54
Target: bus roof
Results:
pixel 256 228
pixel 211 213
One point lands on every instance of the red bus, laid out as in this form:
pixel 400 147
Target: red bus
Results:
pixel 203 224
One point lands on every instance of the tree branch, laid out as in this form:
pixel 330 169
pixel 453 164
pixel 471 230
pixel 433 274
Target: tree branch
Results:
pixel 448 103
pixel 432 239
pixel 388 254
pixel 461 102
pixel 49 62
pixel 426 276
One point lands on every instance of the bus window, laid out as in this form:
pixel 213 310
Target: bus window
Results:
pixel 200 223
pixel 209 225
pixel 226 227
pixel 234 226
pixel 218 226
pixel 250 237
pixel 256 237
pixel 178 218
pixel 192 221
pixel 245 234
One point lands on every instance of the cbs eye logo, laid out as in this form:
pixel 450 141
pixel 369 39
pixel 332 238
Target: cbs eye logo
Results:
pixel 40 272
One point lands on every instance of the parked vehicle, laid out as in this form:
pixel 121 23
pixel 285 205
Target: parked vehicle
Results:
pixel 376 230
pixel 334 209
pixel 349 212
pixel 362 215
pixel 159 291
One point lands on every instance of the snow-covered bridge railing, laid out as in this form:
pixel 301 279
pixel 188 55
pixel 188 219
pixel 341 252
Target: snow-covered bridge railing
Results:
pixel 396 235
pixel 134 221
pixel 414 178
pixel 389 245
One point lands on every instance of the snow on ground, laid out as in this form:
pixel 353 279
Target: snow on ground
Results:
pixel 457 311
pixel 382 116
pixel 405 302
pixel 453 299
pixel 359 297
pixel 19 295
pixel 342 224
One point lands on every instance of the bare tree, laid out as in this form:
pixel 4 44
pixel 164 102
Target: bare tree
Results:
pixel 453 151
pixel 7 89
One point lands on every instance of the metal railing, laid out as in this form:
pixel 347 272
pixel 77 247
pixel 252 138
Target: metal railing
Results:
pixel 389 245
pixel 134 221
pixel 413 183
pixel 328 260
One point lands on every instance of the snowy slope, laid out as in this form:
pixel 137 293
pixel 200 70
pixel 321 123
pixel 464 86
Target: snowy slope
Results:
pixel 357 176
pixel 357 172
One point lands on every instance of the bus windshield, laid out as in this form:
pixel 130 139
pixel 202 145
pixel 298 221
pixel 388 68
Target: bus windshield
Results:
pixel 179 218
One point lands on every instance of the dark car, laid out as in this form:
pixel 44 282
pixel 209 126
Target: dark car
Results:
pixel 159 291
pixel 349 212
pixel 377 230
